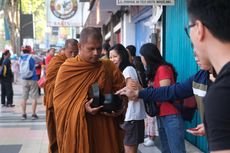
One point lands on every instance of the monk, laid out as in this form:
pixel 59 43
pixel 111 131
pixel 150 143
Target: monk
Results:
pixel 81 128
pixel 70 50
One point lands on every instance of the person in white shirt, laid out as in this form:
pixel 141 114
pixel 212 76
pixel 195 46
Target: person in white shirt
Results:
pixel 135 114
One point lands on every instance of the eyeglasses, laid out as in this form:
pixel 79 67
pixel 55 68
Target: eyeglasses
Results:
pixel 187 29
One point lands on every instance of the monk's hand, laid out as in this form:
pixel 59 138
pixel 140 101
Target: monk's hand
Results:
pixel 91 110
pixel 116 114
pixel 132 94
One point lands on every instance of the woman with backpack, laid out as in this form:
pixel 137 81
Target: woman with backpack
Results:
pixel 169 120
pixel 6 80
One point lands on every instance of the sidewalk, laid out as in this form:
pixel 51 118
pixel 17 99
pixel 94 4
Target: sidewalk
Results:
pixel 29 136
pixel 22 136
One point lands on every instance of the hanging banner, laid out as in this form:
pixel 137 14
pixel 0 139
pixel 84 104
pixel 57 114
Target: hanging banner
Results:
pixel 64 13
pixel 145 2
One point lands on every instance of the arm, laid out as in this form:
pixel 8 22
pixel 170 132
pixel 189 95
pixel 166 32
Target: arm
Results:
pixel 37 59
pixel 174 92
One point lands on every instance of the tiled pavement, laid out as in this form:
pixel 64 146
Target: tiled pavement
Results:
pixel 30 136
pixel 22 136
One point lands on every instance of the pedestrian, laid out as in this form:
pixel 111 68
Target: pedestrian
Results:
pixel 135 113
pixel 80 127
pixel 151 130
pixel 70 50
pixel 29 80
pixel 49 55
pixel 138 65
pixel 169 120
pixel 210 35
pixel 38 68
pixel 15 68
pixel 6 79
pixel 105 50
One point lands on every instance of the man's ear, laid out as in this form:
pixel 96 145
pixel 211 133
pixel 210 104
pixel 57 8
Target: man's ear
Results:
pixel 200 30
pixel 79 46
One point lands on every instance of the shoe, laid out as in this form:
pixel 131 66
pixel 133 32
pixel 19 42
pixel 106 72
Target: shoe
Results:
pixel 10 105
pixel 149 143
pixel 34 117
pixel 3 105
pixel 24 117
pixel 146 139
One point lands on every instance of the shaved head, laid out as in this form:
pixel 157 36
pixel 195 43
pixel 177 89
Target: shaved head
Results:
pixel 90 32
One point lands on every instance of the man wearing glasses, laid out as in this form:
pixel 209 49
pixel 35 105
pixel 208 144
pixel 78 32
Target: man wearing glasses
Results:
pixel 210 36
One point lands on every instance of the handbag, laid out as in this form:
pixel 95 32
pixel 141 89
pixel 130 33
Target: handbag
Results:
pixel 151 108
pixel 41 82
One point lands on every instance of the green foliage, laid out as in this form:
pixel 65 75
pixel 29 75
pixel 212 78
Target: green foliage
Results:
pixel 32 6
pixel 37 8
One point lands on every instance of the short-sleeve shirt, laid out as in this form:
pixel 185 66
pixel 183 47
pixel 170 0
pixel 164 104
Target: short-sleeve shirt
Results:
pixel 165 72
pixel 136 109
pixel 217 111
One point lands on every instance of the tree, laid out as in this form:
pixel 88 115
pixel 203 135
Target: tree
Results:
pixel 11 15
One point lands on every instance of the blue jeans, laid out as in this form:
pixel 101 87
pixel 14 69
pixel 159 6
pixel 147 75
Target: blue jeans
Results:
pixel 171 132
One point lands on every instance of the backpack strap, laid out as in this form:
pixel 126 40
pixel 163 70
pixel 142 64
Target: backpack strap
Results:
pixel 29 57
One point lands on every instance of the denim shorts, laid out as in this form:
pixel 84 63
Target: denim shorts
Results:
pixel 134 132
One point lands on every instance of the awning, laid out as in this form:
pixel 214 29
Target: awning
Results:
pixel 105 8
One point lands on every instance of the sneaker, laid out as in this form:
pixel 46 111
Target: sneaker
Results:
pixel 10 105
pixel 24 117
pixel 146 139
pixel 34 117
pixel 149 143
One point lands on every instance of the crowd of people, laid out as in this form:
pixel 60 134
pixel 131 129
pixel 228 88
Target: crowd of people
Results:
pixel 84 78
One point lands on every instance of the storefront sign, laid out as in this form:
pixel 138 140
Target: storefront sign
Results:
pixel 63 13
pixel 145 2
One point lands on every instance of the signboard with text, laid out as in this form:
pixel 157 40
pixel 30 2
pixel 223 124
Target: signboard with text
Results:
pixel 145 2
pixel 64 13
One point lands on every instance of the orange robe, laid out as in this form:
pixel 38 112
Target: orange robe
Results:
pixel 51 74
pixel 77 130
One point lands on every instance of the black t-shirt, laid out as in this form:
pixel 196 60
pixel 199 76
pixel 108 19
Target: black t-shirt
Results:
pixel 217 111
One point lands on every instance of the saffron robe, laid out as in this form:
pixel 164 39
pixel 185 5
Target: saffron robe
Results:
pixel 51 73
pixel 77 130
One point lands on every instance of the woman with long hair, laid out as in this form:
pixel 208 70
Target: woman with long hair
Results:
pixel 169 120
pixel 135 113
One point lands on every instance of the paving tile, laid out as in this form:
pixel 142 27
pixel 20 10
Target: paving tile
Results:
pixel 22 136
pixel 10 148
